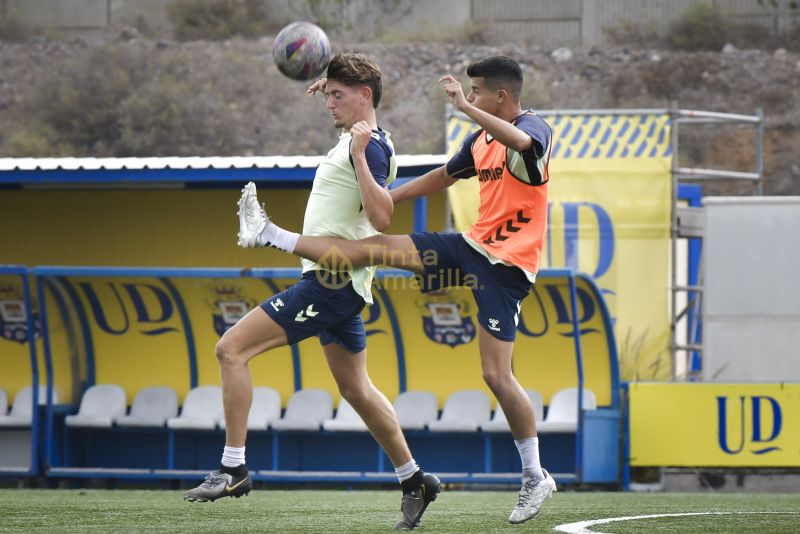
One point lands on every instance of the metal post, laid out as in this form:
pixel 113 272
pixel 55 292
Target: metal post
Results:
pixel 275 451
pixel 673 114
pixel 48 361
pixel 626 438
pixel 759 151
pixel 36 421
pixel 487 453
pixel 576 328
pixel 421 214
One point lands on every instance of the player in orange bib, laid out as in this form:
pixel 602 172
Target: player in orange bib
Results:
pixel 498 258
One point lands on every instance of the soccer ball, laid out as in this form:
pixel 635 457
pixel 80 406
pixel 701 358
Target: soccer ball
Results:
pixel 301 51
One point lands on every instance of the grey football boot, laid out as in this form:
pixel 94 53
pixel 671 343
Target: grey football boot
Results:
pixel 217 485
pixel 415 502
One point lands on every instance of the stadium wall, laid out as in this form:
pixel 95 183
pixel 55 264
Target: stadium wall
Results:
pixel 545 22
pixel 155 228
pixel 751 309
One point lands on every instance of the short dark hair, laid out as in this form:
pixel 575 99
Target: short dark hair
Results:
pixel 500 72
pixel 357 69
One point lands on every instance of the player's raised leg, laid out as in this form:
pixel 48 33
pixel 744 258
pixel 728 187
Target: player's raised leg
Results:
pixel 255 333
pixel 350 372
pixel 256 230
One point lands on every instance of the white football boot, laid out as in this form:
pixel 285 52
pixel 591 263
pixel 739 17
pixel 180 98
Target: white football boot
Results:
pixel 252 217
pixel 531 498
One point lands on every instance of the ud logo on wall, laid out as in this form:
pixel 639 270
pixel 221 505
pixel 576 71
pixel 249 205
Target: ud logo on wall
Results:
pixel 135 327
pixel 118 307
pixel 764 415
pixel 724 425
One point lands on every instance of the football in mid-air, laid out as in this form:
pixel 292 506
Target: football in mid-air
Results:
pixel 301 51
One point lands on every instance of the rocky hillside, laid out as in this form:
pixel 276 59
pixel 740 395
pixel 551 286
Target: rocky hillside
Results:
pixel 127 95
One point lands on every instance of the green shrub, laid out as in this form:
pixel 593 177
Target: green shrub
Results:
pixel 11 28
pixel 125 101
pixel 701 27
pixel 79 101
pixel 635 34
pixel 215 20
pixel 35 140
pixel 666 79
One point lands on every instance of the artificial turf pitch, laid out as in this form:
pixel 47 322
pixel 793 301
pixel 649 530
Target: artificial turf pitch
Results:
pixel 376 511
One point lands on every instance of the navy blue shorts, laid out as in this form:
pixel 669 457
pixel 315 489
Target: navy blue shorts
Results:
pixel 329 308
pixel 498 289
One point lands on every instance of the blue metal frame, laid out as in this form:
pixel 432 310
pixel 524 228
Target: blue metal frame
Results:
pixel 43 273
pixel 60 272
pixel 693 194
pixel 188 178
pixel 573 301
pixel 612 344
pixel 626 439
pixel 22 272
pixel 84 322
pixel 187 327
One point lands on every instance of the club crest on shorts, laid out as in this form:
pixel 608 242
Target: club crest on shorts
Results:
pixel 446 318
pixel 228 304
pixel 13 320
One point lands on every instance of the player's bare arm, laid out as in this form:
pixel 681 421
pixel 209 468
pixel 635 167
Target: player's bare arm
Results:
pixel 376 200
pixel 498 127
pixel 427 184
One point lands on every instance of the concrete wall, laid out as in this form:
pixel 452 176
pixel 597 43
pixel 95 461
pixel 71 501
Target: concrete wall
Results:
pixel 751 300
pixel 546 22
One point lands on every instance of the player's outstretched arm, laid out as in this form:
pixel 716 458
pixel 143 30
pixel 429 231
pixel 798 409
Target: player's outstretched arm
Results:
pixel 502 130
pixel 427 184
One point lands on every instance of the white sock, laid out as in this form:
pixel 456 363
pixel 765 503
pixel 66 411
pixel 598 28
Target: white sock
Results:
pixel 274 235
pixel 232 456
pixel 406 471
pixel 529 454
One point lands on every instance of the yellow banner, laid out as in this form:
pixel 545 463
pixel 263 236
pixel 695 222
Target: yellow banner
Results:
pixel 439 333
pixel 725 425
pixel 608 217
pixel 162 330
pixel 151 227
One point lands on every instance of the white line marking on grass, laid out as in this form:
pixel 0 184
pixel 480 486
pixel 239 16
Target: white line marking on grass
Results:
pixel 582 527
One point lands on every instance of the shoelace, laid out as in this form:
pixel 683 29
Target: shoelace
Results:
pixel 525 497
pixel 212 480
